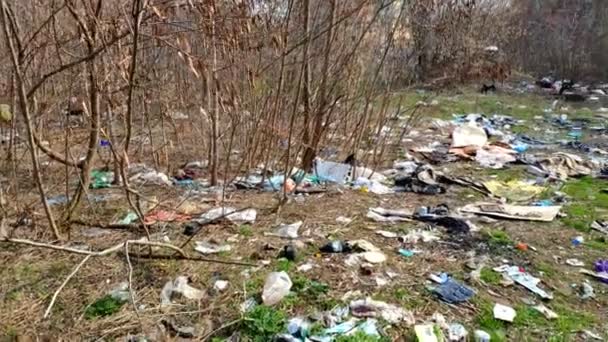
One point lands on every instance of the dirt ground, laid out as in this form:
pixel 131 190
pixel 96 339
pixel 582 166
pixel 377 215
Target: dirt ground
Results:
pixel 31 275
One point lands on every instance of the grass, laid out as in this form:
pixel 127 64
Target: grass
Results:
pixel 104 306
pixel 486 321
pixel 598 244
pixel 262 323
pixel 498 237
pixel 488 276
pixel 587 203
pixel 284 265
pixel 547 269
pixel 245 230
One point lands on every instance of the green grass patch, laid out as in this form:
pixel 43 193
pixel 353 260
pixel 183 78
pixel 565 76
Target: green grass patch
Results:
pixel 488 276
pixel 587 204
pixel 245 230
pixel 498 237
pixel 598 244
pixel 529 317
pixel 262 323
pixel 104 306
pixel 284 265
pixel 547 269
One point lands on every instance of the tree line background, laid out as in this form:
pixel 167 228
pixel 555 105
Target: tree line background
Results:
pixel 240 84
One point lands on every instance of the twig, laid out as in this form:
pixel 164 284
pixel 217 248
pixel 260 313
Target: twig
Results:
pixel 97 253
pixel 131 292
pixel 48 309
pixel 227 325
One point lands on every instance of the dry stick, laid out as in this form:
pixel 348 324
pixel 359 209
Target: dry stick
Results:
pixel 130 278
pixel 227 325
pixel 50 306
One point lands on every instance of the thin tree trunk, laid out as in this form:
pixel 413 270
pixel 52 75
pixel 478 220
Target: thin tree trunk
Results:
pixel 28 123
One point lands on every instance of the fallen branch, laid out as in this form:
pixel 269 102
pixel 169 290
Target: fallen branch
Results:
pixel 48 309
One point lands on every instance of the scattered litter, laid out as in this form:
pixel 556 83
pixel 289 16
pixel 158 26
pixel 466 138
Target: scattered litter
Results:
pixel 482 336
pixel 600 226
pixel 220 285
pixel 601 266
pixel 148 176
pixel 578 240
pixel 422 181
pixel 387 234
pixel 5 113
pixel 586 291
pixel 240 217
pixel 515 190
pixel 248 304
pixel 575 263
pixel 341 328
pixel 129 218
pixel 504 313
pixel 374 257
pixel 589 334
pixel 601 276
pixel 101 179
pixel 276 287
pixel 457 332
pixel 343 220
pixel 206 247
pixel 327 171
pixel 372 186
pixel 406 252
pixel 363 246
pixel 439 278
pixel 386 215
pixel 288 252
pixel 528 213
pixel 452 292
pixel 469 135
pixel 372 308
pixel 288 231
pixel 165 216
pixel 563 165
pixel 336 247
pixel 120 292
pixel 417 235
pixel 524 279
pixel 305 268
pixel 298 327
pixel 494 157
pixel 426 333
pixel 179 286
pixel 440 216
pixel 548 313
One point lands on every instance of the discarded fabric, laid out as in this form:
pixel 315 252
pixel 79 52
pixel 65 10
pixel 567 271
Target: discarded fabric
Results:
pixel 452 292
